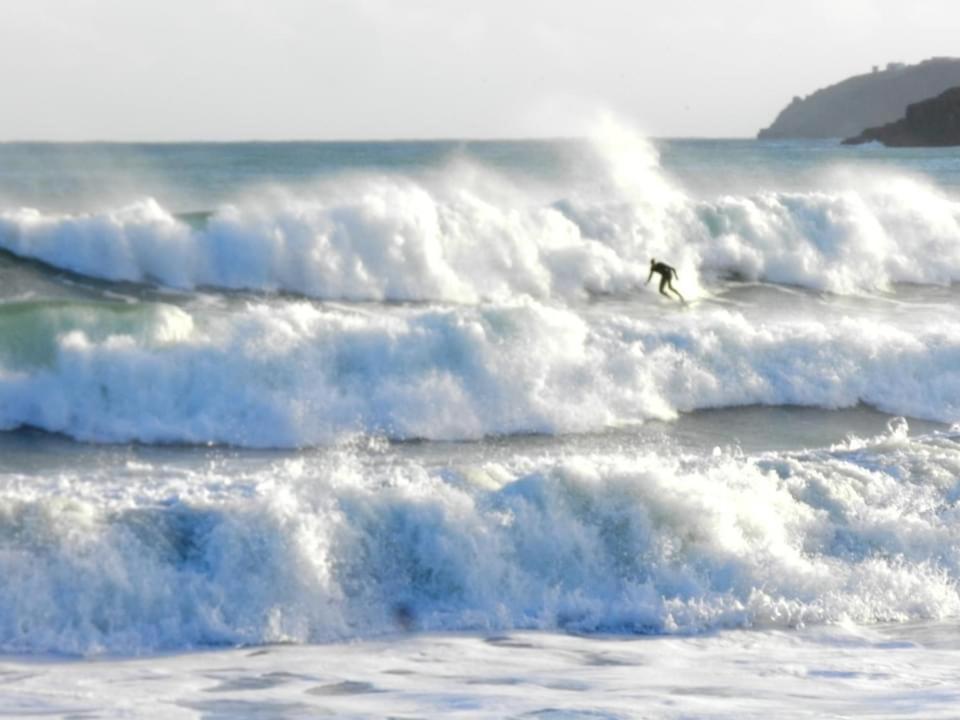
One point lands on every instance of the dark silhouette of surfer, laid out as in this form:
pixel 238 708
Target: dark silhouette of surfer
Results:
pixel 667 275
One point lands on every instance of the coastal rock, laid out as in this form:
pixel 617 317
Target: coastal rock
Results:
pixel 846 108
pixel 931 123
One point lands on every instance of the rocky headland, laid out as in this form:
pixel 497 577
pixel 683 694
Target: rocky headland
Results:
pixel 931 123
pixel 843 110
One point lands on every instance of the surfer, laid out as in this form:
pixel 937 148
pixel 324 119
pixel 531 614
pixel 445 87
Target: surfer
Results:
pixel 667 275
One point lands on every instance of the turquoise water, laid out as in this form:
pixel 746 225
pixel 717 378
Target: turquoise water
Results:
pixel 199 176
pixel 314 392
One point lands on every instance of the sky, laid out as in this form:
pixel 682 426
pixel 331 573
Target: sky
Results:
pixel 385 69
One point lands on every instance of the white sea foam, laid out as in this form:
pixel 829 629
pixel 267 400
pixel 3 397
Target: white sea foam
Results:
pixel 467 236
pixel 293 374
pixel 322 547
pixel 840 671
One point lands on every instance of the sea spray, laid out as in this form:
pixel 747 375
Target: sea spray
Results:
pixel 394 394
pixel 294 374
pixel 329 547
pixel 465 235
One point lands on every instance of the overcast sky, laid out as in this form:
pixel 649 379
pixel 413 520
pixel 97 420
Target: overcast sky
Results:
pixel 332 69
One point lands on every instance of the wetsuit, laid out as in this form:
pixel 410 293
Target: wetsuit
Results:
pixel 667 274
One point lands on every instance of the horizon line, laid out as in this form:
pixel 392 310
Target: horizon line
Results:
pixel 401 139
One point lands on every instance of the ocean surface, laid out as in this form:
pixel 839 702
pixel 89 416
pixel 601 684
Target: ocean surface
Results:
pixel 371 429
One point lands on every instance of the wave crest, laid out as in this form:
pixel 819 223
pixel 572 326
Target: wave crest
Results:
pixel 469 236
pixel 336 548
pixel 294 374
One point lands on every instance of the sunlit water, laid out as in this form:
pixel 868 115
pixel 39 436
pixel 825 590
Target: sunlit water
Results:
pixel 399 428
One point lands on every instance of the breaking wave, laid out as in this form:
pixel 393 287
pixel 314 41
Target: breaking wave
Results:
pixel 316 549
pixel 295 374
pixel 468 236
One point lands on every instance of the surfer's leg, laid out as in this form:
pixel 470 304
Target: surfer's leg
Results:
pixel 675 291
pixel 664 281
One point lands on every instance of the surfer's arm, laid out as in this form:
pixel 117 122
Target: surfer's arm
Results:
pixel 648 277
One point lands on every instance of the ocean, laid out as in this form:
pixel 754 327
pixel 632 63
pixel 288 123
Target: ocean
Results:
pixel 294 430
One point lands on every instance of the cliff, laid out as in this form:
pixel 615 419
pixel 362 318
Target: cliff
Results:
pixel 931 123
pixel 880 97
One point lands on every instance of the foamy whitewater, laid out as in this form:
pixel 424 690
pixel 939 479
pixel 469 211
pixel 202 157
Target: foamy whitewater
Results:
pixel 398 428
